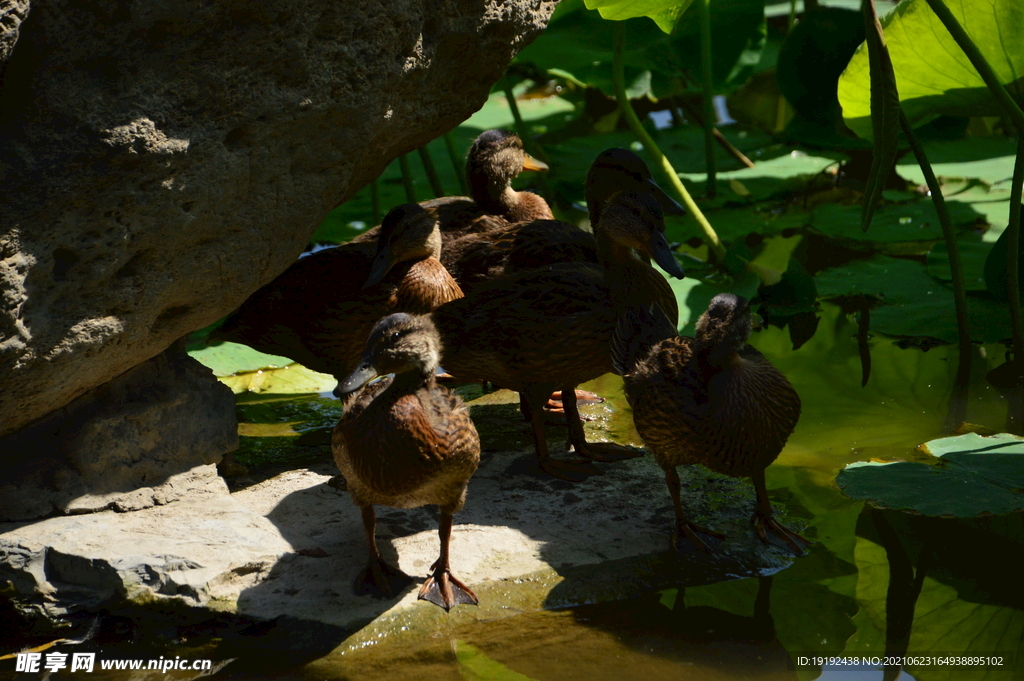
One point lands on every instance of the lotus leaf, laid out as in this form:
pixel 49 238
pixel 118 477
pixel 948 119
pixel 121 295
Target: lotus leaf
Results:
pixel 933 74
pixel 972 475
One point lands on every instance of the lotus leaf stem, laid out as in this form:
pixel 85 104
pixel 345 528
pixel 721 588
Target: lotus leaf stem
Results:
pixel 714 243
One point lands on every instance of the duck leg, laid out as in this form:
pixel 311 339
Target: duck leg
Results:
pixel 442 587
pixel 764 521
pixel 603 451
pixel 532 400
pixel 555 406
pixel 685 528
pixel 379 577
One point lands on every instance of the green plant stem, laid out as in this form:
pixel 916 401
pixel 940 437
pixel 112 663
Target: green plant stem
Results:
pixel 958 401
pixel 431 171
pixel 979 62
pixel 529 143
pixel 375 201
pixel 410 191
pixel 457 164
pixel 714 243
pixel 1013 256
pixel 709 104
pixel 676 103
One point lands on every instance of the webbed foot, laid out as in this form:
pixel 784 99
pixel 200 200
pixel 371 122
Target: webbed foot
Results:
pixel 690 531
pixel 763 524
pixel 446 590
pixel 606 451
pixel 381 580
pixel 571 471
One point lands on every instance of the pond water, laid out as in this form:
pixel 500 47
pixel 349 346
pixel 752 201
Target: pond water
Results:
pixel 873 581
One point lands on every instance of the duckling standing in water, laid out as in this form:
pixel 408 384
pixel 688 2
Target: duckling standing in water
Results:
pixel 320 310
pixel 405 442
pixel 712 399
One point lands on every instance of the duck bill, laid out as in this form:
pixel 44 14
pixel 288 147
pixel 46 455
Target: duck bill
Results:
pixel 669 205
pixel 363 374
pixel 382 264
pixel 530 163
pixel 662 254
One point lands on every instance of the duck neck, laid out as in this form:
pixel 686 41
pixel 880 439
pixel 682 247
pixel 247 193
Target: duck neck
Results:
pixel 623 271
pixel 422 376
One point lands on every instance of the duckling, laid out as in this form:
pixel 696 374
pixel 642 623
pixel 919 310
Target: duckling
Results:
pixel 551 327
pixel 495 158
pixel 406 442
pixel 712 399
pixel 480 256
pixel 321 309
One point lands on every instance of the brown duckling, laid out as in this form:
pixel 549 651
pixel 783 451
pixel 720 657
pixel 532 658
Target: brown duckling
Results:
pixel 321 309
pixel 495 158
pixel 712 399
pixel 551 327
pixel 480 256
pixel 406 442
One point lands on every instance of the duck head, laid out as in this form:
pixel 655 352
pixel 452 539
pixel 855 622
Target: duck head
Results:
pixel 408 232
pixel 495 159
pixel 634 219
pixel 617 170
pixel 726 325
pixel 400 343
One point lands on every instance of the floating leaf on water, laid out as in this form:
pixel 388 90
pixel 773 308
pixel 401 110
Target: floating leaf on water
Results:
pixel 892 223
pixel 972 475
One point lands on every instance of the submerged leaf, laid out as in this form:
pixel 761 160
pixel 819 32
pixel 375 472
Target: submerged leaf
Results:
pixel 973 475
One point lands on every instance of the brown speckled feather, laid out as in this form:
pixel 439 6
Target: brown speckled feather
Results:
pixel 734 419
pixel 476 258
pixel 406 448
pixel 318 314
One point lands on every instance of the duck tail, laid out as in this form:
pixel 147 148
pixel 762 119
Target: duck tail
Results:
pixel 638 329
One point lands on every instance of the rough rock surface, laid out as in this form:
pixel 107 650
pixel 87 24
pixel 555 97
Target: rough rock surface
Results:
pixel 12 13
pixel 290 546
pixel 162 160
pixel 142 439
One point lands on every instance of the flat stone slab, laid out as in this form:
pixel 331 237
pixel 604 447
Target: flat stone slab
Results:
pixel 290 546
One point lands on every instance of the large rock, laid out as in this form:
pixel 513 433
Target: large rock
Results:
pixel 146 438
pixel 289 547
pixel 162 160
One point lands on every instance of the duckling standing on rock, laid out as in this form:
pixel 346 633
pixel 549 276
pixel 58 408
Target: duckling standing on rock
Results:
pixel 712 399
pixel 321 309
pixel 406 442
pixel 494 160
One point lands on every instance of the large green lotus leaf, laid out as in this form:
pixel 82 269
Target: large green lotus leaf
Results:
pixel 578 45
pixel 973 252
pixel 889 279
pixel 904 222
pixel 971 476
pixel 988 321
pixel 226 359
pixel 915 304
pixel 933 74
pixel 989 159
pixel 293 379
pixel 775 170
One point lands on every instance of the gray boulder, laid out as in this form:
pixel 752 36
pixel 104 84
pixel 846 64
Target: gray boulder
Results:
pixel 162 160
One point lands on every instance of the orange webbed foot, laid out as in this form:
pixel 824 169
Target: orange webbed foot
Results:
pixel 381 579
pixel 763 524
pixel 446 590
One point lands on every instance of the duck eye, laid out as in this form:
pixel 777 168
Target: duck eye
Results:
pixel 395 335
